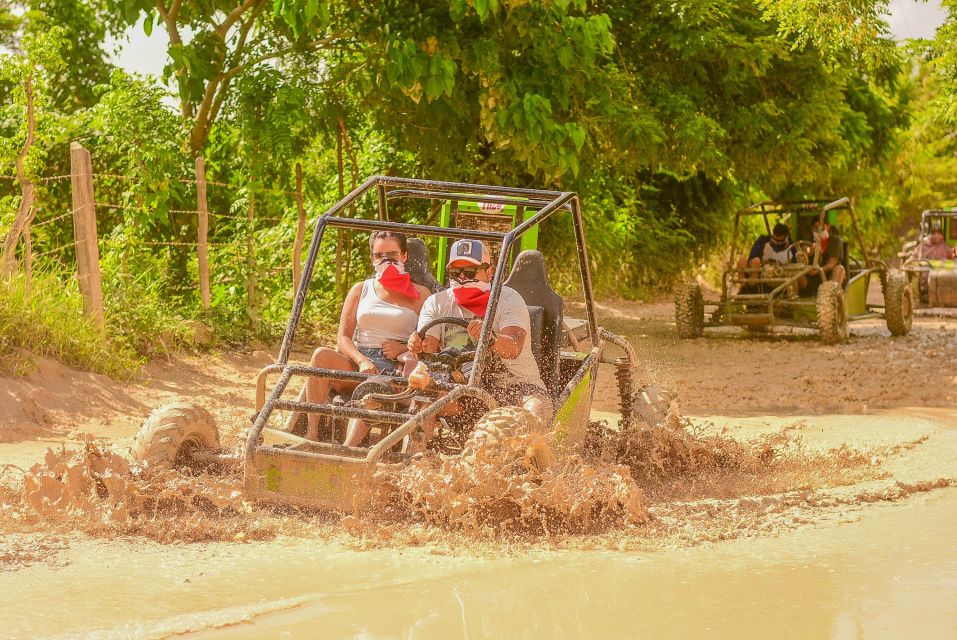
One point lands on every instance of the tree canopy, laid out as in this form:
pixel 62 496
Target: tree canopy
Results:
pixel 664 116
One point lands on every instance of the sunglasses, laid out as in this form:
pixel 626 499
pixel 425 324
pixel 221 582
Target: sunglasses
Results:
pixel 469 272
pixel 386 255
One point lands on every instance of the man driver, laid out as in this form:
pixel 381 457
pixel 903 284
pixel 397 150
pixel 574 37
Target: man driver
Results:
pixel 517 381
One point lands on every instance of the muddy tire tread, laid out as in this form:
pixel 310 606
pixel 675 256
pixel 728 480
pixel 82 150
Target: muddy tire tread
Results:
pixel 689 310
pixel 898 304
pixel 831 313
pixel 504 420
pixel 166 429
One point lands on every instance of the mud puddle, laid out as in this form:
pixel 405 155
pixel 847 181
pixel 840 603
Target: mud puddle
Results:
pixel 873 576
pixel 802 542
pixel 858 579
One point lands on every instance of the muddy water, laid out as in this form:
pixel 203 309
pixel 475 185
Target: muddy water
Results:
pixel 861 570
pixel 862 579
pixel 892 573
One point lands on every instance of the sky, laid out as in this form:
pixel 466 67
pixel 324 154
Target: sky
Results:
pixel 147 54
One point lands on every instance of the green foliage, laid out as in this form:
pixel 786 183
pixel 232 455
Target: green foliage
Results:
pixel 48 321
pixel 941 54
pixel 835 27
pixel 38 65
pixel 665 117
pixel 84 55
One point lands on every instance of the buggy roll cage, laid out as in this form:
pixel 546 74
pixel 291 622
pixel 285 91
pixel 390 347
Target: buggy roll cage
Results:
pixel 923 230
pixel 798 208
pixel 934 214
pixel 389 188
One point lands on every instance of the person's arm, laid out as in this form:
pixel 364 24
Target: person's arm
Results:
pixel 507 343
pixel 514 325
pixel 347 328
pixel 757 249
pixel 835 249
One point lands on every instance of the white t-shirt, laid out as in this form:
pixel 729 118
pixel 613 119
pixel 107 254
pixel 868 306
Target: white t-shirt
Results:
pixel 511 312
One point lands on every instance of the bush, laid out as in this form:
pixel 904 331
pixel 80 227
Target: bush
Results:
pixel 47 321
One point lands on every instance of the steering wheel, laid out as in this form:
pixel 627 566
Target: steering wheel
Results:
pixel 451 358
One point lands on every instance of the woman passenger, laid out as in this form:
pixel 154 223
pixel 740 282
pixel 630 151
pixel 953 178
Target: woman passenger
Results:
pixel 378 316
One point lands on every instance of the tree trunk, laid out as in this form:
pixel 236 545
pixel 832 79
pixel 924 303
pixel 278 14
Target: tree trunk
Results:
pixel 27 189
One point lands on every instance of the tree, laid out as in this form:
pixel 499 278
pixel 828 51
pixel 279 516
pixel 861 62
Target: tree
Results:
pixel 30 75
pixel 227 40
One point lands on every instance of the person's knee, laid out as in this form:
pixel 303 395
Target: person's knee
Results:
pixel 755 262
pixel 323 357
pixel 838 274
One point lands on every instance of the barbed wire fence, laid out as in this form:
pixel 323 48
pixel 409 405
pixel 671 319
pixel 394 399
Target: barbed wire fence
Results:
pixel 79 249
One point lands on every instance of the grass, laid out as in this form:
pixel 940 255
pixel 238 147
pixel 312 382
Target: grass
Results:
pixel 46 320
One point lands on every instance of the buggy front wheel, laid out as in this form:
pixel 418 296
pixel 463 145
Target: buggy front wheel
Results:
pixel 898 304
pixel 172 433
pixel 689 310
pixel 831 313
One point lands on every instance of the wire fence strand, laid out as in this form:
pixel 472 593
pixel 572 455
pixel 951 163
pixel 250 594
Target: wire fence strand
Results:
pixel 56 250
pixel 34 225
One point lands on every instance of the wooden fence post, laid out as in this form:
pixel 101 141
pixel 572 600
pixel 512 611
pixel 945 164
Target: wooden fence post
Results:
pixel 84 232
pixel 202 249
pixel 300 233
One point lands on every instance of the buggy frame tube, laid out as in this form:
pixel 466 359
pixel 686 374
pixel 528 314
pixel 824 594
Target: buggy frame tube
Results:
pixel 451 190
pixel 433 410
pixel 253 440
pixel 492 199
pixel 310 266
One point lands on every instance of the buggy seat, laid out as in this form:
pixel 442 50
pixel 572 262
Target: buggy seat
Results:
pixel 418 266
pixel 546 310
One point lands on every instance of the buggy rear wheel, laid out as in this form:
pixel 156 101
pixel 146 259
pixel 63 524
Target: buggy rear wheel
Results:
pixel 172 433
pixel 898 303
pixel 689 310
pixel 831 313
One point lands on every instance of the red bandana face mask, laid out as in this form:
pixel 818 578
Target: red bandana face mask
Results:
pixel 472 296
pixel 396 281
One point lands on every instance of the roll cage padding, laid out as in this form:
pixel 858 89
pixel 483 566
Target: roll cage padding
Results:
pixel 417 265
pixel 529 279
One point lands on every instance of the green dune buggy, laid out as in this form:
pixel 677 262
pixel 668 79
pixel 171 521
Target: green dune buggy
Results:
pixel 281 465
pixel 774 295
pixel 932 281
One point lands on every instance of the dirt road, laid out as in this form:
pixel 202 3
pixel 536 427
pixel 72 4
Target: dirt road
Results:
pixel 805 555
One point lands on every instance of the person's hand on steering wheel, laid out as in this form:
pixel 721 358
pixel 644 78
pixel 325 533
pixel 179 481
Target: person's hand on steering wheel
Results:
pixel 414 344
pixel 475 329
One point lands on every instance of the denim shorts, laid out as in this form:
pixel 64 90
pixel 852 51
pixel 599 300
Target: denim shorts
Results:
pixel 384 365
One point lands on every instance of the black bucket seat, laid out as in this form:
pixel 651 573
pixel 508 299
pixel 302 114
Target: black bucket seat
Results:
pixel 418 266
pixel 546 309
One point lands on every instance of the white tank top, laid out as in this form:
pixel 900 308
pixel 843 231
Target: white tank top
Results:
pixel 378 320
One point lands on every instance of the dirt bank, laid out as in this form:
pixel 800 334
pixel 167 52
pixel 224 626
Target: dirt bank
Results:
pixel 733 373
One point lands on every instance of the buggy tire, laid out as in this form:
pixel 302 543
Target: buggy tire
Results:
pixel 689 310
pixel 831 313
pixel 171 433
pixel 652 403
pixel 898 303
pixel 497 430
pixel 506 422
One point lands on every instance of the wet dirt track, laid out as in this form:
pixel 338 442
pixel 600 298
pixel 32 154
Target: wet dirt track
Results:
pixel 871 559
